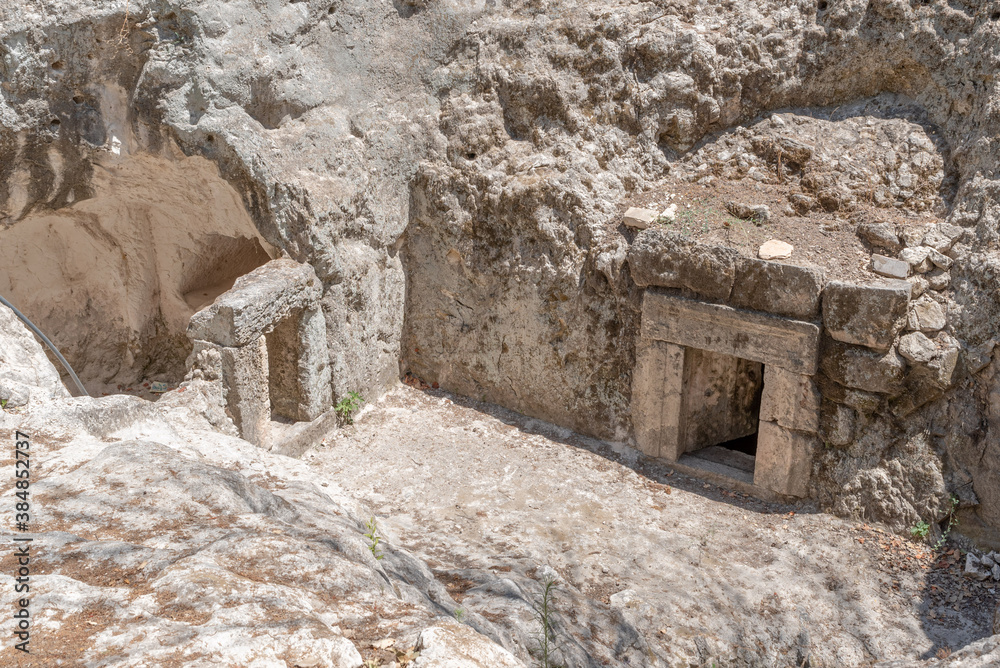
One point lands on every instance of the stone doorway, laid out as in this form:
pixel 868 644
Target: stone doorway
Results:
pixel 727 386
pixel 265 341
pixel 720 409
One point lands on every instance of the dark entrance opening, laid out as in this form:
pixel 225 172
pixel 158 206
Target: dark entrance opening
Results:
pixel 723 394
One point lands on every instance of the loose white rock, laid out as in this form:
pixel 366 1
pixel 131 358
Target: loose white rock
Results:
pixel 638 218
pixel 775 250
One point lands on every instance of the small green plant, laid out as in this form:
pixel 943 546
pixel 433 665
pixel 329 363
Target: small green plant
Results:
pixel 952 521
pixel 920 529
pixel 373 538
pixel 348 406
pixel 544 611
pixel 3 404
pixel 458 614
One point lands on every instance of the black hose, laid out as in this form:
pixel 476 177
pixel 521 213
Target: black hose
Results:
pixel 51 346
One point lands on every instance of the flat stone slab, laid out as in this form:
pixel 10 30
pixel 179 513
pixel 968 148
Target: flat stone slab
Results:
pixel 890 267
pixel 866 315
pixel 789 344
pixel 666 259
pixel 775 287
pixel 256 302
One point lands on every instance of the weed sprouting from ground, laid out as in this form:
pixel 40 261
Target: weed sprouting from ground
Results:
pixel 544 611
pixel 373 538
pixel 920 529
pixel 348 406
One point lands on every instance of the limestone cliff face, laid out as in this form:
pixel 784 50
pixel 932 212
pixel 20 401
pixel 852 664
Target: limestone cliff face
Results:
pixel 454 171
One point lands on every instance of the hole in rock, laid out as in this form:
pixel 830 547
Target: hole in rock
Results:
pixel 113 279
pixel 821 5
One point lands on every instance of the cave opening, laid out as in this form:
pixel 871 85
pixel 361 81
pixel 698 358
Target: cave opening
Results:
pixel 113 277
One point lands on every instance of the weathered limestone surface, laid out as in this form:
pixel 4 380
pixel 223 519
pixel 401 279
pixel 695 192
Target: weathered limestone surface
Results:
pixel 790 400
pixel 837 423
pixel 775 287
pixel 666 259
pixel 24 368
pixel 299 365
pixel 256 303
pixel 784 459
pixel 789 344
pixel 862 368
pixel 245 383
pixel 658 388
pixel 865 315
pixel 927 315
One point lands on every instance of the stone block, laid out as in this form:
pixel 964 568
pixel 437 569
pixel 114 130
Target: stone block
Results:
pixel 666 259
pixel 789 344
pixel 784 460
pixel 927 315
pixel 916 347
pixel 942 237
pixel 918 285
pixel 880 235
pixel 863 368
pixel 657 392
pixel 790 400
pixel 299 366
pixel 917 258
pixel 256 303
pixel 837 424
pixel 940 260
pixel 866 315
pixel 245 382
pixel 775 249
pixel 639 219
pixel 889 267
pixel 938 280
pixel 774 287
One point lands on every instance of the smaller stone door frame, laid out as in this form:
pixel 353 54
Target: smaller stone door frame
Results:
pixel 789 351
pixel 265 337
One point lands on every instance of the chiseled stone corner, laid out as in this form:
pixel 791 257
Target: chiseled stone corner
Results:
pixel 791 400
pixel 245 379
pixel 784 459
pixel 657 393
pixel 865 315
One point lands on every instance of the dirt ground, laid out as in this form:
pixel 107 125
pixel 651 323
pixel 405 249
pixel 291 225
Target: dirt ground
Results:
pixel 483 493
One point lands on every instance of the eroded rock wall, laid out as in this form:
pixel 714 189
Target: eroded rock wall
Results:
pixel 454 171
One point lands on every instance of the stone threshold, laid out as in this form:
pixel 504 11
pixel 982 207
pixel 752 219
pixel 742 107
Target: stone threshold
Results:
pixel 725 476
